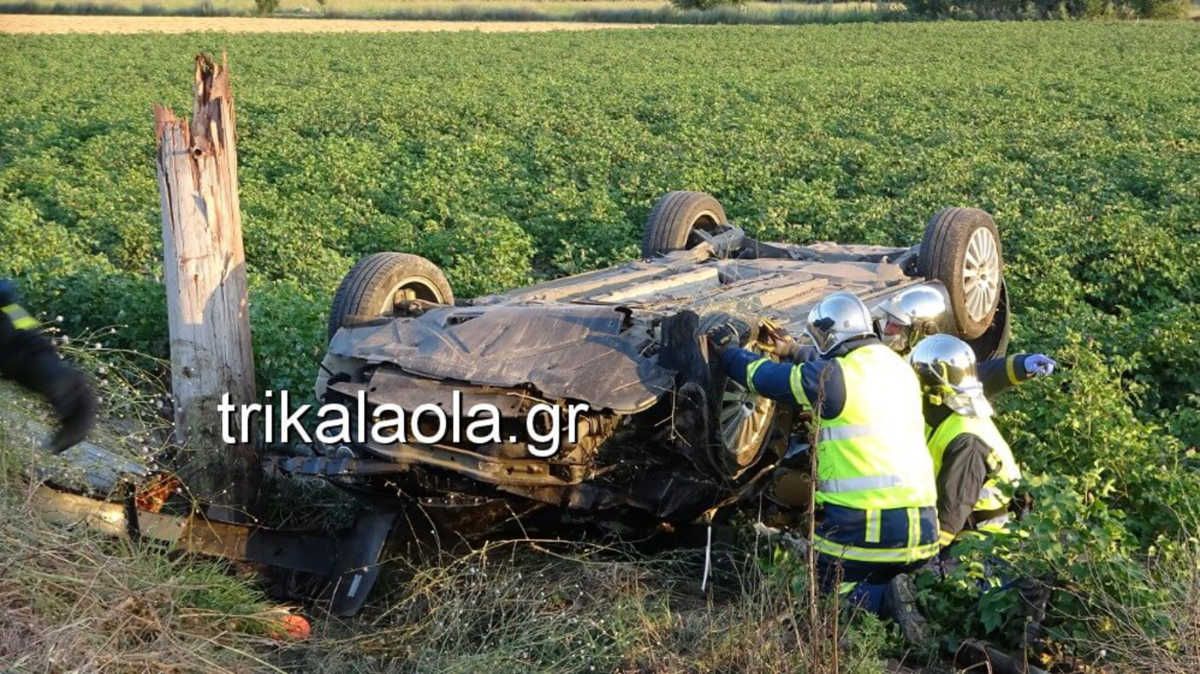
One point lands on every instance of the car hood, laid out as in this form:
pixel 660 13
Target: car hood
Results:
pixel 582 352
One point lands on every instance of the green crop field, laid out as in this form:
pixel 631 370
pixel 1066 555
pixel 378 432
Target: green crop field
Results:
pixel 618 11
pixel 512 158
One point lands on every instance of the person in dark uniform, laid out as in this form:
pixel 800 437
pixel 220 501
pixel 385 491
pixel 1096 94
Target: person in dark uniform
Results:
pixel 29 358
pixel 970 457
pixel 976 469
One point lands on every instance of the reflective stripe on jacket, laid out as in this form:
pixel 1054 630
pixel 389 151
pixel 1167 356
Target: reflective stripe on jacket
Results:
pixel 872 456
pixel 1002 466
pixel 897 536
pixel 21 320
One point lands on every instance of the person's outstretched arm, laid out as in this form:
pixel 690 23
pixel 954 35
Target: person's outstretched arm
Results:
pixel 998 374
pixel 796 383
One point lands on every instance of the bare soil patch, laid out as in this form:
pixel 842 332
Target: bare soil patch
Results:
pixel 50 23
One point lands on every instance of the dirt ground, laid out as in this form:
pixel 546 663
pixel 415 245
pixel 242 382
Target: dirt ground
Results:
pixel 50 23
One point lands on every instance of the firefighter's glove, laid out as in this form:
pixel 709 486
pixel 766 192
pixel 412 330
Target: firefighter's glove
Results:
pixel 773 338
pixel 74 404
pixel 1039 365
pixel 729 334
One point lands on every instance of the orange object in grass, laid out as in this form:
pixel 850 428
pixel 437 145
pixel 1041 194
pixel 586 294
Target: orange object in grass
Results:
pixel 296 627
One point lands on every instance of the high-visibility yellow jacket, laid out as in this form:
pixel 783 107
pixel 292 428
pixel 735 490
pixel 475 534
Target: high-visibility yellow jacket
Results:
pixel 872 455
pixel 992 502
pixel 875 476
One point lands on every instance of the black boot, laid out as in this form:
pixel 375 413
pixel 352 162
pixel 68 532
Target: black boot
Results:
pixel 1035 597
pixel 900 604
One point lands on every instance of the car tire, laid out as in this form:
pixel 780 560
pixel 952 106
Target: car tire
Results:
pixel 370 288
pixel 961 248
pixel 993 343
pixel 743 425
pixel 742 421
pixel 674 219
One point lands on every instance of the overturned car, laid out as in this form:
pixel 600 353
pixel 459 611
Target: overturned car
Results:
pixel 585 371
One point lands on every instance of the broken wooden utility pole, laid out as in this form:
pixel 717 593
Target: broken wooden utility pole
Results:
pixel 205 274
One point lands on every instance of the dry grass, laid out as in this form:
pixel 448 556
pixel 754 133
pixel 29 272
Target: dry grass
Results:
pixel 573 607
pixel 73 601
pixel 384 7
pixel 1162 637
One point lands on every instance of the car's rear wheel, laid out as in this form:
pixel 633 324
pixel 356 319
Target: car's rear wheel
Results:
pixel 993 343
pixel 674 220
pixel 381 282
pixel 961 248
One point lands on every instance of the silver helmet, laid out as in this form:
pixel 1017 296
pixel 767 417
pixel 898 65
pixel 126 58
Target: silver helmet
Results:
pixel 903 319
pixel 946 367
pixel 835 319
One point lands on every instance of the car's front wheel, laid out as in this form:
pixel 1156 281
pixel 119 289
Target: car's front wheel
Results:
pixel 379 283
pixel 743 426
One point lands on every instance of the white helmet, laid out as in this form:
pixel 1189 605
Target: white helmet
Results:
pixel 903 319
pixel 946 367
pixel 835 319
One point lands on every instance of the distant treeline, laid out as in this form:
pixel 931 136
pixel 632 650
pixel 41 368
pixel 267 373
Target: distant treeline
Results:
pixel 1051 9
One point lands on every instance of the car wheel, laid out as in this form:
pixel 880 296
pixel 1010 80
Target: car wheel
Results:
pixel 379 282
pixel 673 221
pixel 961 248
pixel 993 343
pixel 743 426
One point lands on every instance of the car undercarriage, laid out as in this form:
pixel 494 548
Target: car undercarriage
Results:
pixel 665 437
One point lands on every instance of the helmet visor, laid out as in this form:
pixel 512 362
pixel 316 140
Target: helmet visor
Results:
pixel 969 401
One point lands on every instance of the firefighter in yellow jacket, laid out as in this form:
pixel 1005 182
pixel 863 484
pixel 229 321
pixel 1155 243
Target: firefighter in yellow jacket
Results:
pixel 975 468
pixel 875 494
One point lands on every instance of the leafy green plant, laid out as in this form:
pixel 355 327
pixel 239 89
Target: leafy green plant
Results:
pixel 1107 589
pixel 477 268
pixel 478 153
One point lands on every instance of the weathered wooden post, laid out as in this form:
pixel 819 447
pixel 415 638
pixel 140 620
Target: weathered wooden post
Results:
pixel 205 274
